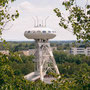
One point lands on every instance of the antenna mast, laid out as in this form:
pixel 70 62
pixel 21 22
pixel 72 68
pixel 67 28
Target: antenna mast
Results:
pixel 34 22
pixel 42 23
pixel 46 20
pixel 37 20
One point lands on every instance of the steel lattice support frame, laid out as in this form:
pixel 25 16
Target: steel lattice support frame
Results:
pixel 44 58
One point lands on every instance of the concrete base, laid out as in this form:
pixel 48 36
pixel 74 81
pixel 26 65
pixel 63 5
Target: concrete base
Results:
pixel 48 80
pixel 34 76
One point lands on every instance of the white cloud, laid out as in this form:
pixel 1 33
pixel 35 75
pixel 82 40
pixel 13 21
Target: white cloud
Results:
pixel 26 5
pixel 29 8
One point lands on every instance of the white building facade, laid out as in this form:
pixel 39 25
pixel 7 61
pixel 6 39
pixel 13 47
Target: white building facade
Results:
pixel 6 52
pixel 84 51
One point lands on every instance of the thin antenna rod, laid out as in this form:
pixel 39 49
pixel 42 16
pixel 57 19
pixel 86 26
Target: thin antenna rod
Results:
pixel 42 23
pixel 34 21
pixel 37 20
pixel 46 20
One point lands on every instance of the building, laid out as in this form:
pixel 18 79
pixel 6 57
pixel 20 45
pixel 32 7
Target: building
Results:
pixel 6 52
pixel 28 52
pixel 84 51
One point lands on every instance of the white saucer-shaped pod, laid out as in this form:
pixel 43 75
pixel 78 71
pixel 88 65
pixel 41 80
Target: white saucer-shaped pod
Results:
pixel 40 33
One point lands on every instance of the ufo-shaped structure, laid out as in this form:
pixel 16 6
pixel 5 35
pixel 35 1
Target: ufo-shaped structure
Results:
pixel 40 33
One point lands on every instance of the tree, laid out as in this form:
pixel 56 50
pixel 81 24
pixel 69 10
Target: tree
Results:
pixel 78 19
pixel 5 15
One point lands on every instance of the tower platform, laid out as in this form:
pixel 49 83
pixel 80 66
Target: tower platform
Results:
pixel 34 76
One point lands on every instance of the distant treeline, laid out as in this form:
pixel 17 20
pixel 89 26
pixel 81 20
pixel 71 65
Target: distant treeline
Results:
pixel 25 45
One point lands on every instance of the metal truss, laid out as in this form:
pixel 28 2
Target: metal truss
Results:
pixel 45 61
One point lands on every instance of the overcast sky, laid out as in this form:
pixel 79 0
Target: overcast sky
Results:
pixel 32 8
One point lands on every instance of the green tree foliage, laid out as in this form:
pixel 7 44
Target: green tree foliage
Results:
pixel 74 70
pixel 5 15
pixel 78 19
pixel 16 46
pixel 74 76
pixel 6 73
pixel 62 57
pixel 24 67
pixel 11 72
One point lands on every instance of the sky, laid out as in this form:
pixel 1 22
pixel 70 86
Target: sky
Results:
pixel 32 8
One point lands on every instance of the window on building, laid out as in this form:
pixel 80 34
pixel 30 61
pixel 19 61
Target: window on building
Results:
pixel 44 31
pixel 28 31
pixel 80 48
pixel 80 52
pixel 49 31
